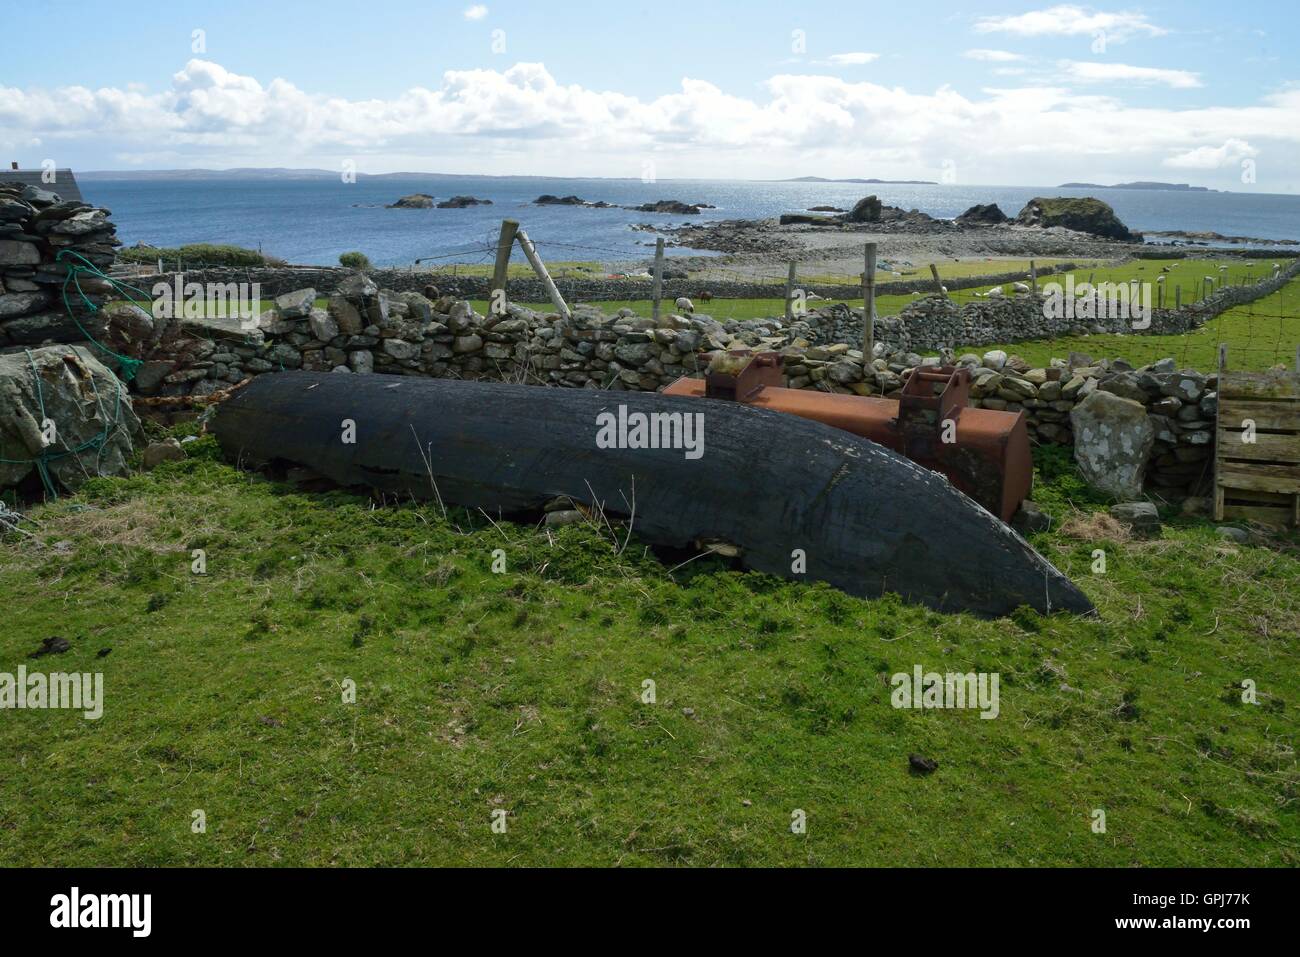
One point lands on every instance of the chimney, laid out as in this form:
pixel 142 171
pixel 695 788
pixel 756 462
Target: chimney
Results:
pixel 13 165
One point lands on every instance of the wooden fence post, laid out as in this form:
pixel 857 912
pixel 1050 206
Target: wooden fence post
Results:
pixel 1033 277
pixel 938 285
pixel 659 278
pixel 789 294
pixel 539 267
pixel 869 307
pixel 505 242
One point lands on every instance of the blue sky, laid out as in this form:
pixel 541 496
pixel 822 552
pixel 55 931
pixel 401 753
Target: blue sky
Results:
pixel 988 92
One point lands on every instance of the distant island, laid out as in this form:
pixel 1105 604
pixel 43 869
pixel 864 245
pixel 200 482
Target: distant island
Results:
pixel 1176 187
pixel 879 182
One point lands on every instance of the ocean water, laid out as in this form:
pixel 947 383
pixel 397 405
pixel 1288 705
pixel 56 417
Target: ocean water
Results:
pixel 313 220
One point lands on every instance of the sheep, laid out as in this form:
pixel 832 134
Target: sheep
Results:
pixel 684 304
pixel 1161 278
pixel 706 296
pixel 995 293
pixel 813 297
pixel 1020 287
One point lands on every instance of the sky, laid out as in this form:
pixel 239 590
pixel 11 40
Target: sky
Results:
pixel 977 92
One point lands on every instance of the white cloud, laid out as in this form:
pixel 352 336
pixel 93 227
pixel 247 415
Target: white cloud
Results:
pixel 1231 153
pixel 524 119
pixel 476 12
pixel 993 56
pixel 851 59
pixel 1069 20
pixel 1094 71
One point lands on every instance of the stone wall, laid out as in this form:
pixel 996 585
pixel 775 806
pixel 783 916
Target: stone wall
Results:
pixel 364 330
pixel 35 226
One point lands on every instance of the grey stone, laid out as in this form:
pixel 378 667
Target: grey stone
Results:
pixel 564 517
pixel 1030 519
pixel 1113 438
pixel 400 349
pixel 168 450
pixel 20 303
pixel 297 304
pixel 1123 385
pixel 15 253
pixel 1142 517
pixel 323 327
pixel 346 316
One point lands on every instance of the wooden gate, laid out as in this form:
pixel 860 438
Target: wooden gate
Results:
pixel 1257 446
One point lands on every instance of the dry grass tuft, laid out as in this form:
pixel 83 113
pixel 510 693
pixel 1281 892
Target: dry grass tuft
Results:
pixel 1090 526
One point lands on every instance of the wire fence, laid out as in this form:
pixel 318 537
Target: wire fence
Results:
pixel 1259 333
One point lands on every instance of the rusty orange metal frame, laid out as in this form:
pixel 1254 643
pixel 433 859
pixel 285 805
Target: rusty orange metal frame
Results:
pixel 983 452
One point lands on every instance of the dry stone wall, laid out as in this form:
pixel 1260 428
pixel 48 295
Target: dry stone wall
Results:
pixel 36 225
pixel 365 330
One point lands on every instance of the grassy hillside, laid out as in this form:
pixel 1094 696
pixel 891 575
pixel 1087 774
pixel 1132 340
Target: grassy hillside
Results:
pixel 523 691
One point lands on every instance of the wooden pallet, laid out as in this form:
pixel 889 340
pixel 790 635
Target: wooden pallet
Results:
pixel 1257 446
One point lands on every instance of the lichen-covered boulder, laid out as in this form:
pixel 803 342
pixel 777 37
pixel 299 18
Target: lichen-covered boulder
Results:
pixel 1112 441
pixel 61 406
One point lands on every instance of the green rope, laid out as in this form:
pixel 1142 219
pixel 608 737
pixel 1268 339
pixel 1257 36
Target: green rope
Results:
pixel 127 364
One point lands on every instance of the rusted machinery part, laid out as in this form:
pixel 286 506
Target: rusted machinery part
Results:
pixel 989 458
pixel 867 520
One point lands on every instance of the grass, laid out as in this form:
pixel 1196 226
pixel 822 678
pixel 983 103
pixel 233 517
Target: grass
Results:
pixel 1258 335
pixel 523 692
pixel 196 255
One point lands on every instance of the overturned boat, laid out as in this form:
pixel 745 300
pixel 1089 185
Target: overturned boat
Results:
pixel 796 498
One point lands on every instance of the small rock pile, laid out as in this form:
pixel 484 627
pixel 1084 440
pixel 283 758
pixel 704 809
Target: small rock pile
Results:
pixel 1179 406
pixel 35 226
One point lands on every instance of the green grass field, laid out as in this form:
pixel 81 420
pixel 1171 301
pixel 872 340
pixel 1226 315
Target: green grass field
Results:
pixel 522 692
pixel 1258 335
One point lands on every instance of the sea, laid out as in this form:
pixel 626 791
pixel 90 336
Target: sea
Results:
pixel 312 220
